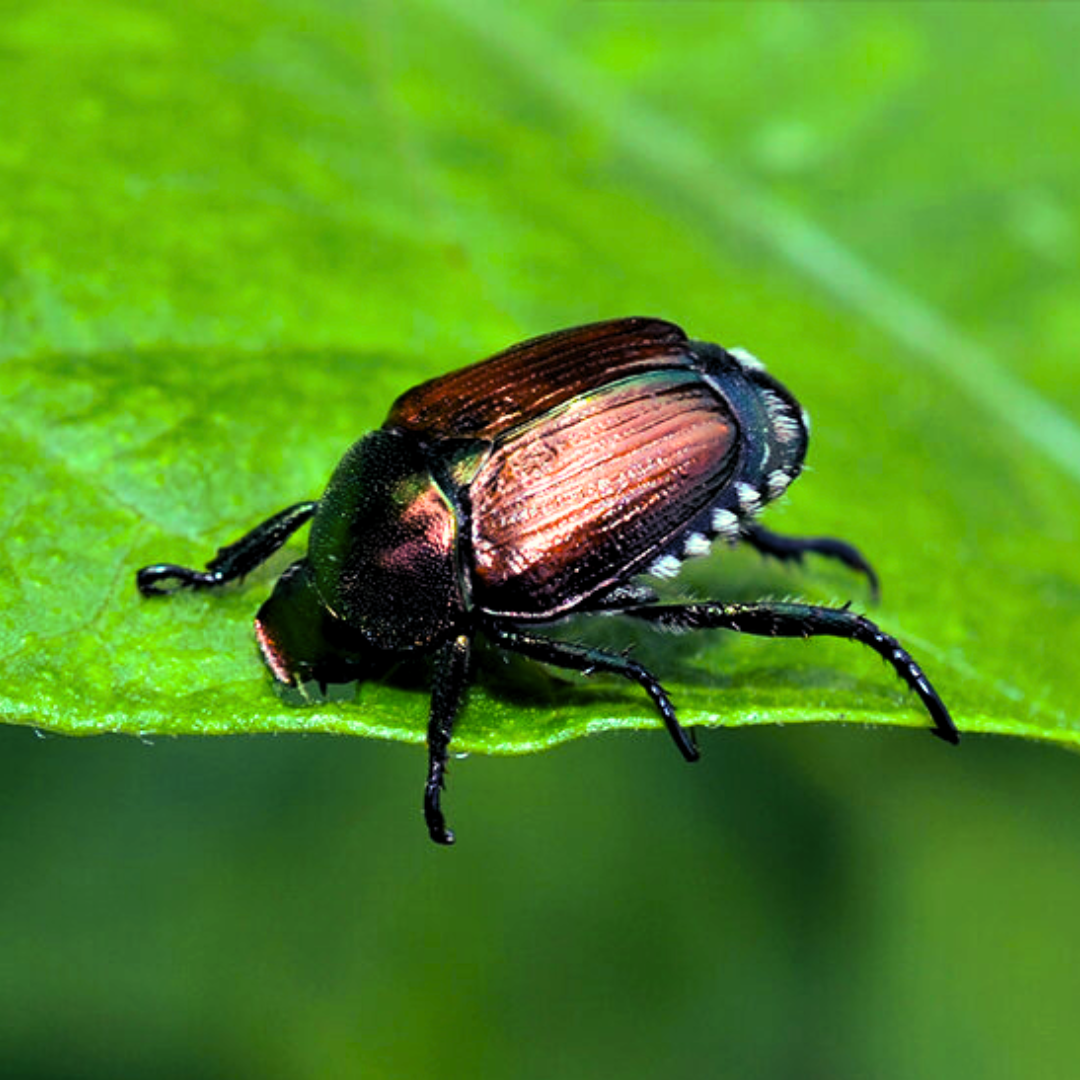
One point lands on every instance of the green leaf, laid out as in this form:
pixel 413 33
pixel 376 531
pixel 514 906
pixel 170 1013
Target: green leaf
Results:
pixel 229 240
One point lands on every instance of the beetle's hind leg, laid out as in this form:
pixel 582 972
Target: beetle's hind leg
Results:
pixel 805 620
pixel 448 690
pixel 793 548
pixel 231 562
pixel 587 659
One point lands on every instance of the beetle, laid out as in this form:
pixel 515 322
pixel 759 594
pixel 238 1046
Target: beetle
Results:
pixel 543 482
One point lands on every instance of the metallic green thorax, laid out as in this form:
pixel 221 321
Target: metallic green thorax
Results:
pixel 383 545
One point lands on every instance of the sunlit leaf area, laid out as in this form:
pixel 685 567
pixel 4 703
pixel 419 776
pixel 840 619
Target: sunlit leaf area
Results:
pixel 231 236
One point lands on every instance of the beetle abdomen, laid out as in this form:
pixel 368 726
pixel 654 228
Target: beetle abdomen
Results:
pixel 774 433
pixel 590 491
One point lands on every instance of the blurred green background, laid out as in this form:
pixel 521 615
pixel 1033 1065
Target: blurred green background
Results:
pixel 879 199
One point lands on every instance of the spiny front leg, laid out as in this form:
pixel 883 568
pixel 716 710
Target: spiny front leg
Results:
pixel 231 562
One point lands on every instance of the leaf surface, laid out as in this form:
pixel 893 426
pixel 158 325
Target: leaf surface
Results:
pixel 231 240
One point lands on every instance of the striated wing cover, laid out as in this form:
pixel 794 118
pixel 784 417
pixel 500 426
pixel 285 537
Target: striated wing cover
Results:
pixel 566 506
pixel 526 380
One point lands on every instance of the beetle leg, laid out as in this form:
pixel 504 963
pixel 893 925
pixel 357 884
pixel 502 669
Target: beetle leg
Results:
pixel 231 562
pixel 793 548
pixel 614 600
pixel 587 659
pixel 448 689
pixel 805 620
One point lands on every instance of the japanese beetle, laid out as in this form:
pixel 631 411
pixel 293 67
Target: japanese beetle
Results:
pixel 540 483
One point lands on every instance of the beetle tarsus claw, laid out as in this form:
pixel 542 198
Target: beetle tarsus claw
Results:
pixel 433 815
pixel 149 579
pixel 442 835
pixel 692 752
